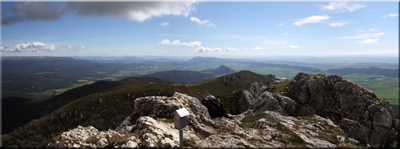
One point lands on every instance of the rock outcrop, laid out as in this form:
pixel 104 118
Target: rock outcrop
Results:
pixel 309 111
pixel 245 101
pixel 153 127
pixel 357 110
pixel 265 101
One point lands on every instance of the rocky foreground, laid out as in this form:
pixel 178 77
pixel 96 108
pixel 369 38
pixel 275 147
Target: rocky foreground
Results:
pixel 309 111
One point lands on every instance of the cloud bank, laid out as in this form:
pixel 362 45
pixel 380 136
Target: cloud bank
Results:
pixel 203 49
pixel 134 11
pixel 343 7
pixel 231 49
pixel 312 19
pixel 368 41
pixel 34 47
pixel 178 43
pixel 293 46
pixel 198 21
pixel 390 15
pixel 338 24
pixel 164 24
pixel 68 47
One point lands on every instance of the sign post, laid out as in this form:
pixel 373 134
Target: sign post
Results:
pixel 180 122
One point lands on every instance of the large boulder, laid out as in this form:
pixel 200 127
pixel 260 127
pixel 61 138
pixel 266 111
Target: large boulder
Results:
pixel 337 98
pixel 266 101
pixel 245 101
pixel 254 87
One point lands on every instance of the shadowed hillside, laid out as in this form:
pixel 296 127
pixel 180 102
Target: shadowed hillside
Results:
pixel 43 108
pixel 220 70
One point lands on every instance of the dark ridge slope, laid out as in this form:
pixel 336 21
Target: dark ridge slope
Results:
pixel 43 108
pixel 220 70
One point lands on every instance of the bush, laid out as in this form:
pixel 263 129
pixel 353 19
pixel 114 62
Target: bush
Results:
pixel 189 143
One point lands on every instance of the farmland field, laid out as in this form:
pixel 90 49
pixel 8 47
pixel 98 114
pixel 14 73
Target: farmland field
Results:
pixel 384 87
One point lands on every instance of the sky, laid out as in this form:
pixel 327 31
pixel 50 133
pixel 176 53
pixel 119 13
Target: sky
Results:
pixel 199 28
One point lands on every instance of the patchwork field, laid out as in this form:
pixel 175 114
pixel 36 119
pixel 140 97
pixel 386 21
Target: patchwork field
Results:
pixel 49 92
pixel 384 87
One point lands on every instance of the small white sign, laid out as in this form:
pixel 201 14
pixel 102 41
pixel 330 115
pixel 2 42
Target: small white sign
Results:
pixel 182 112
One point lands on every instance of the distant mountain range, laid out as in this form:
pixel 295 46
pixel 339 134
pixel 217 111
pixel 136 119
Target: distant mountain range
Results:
pixel 179 76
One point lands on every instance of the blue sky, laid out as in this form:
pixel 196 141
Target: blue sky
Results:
pixel 195 28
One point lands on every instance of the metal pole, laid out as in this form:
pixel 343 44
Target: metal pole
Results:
pixel 181 137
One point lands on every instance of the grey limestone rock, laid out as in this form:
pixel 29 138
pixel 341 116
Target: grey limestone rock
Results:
pixel 254 87
pixel 336 98
pixel 355 130
pixel 245 101
pixel 267 102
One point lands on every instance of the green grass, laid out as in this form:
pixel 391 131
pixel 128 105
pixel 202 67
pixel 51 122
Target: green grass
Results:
pixel 278 88
pixel 46 94
pixel 320 75
pixel 386 87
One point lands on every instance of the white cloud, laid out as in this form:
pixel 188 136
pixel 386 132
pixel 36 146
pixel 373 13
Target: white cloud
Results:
pixel 231 49
pixel 245 49
pixel 286 33
pixel 372 29
pixel 360 30
pixel 178 43
pixel 273 43
pixel 368 41
pixel 281 24
pixel 34 47
pixel 203 49
pixel 343 6
pixel 292 46
pixel 312 19
pixel 82 47
pixel 257 48
pixel 390 15
pixel 338 24
pixel 164 24
pixel 68 47
pixel 198 21
pixel 363 36
pixel 8 49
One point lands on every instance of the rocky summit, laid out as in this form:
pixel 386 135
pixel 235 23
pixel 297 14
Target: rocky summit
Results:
pixel 314 111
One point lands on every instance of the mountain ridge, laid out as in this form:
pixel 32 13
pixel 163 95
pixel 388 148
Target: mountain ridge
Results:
pixel 106 110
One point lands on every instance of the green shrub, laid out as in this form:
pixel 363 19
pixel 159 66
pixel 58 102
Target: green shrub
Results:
pixel 189 143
